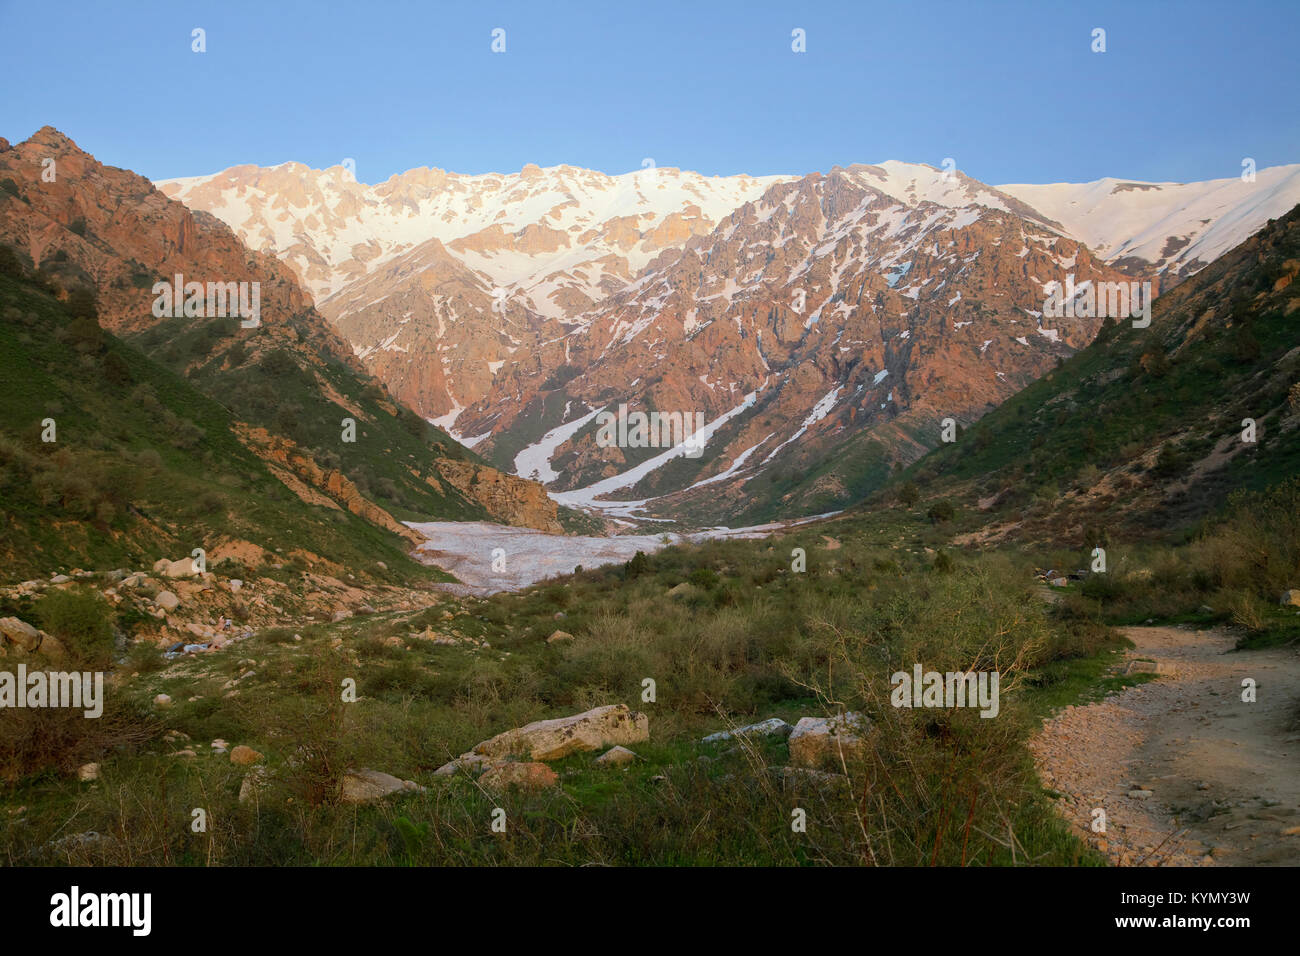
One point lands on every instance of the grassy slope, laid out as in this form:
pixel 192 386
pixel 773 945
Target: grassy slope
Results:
pixel 1136 390
pixel 749 639
pixel 99 497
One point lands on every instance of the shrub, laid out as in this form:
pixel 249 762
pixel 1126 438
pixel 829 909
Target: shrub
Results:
pixel 81 620
pixel 941 511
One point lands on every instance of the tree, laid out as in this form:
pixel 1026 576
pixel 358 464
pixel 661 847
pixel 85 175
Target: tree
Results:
pixel 908 494
pixel 942 510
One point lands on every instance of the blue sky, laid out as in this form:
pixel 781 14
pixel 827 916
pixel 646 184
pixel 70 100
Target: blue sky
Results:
pixel 1012 91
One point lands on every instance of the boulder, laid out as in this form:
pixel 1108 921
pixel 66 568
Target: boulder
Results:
pixel 615 757
pixel 527 776
pixel 244 756
pixel 561 736
pixel 184 568
pixel 365 786
pixel 818 742
pixel 161 564
pixel 20 632
pixel 1291 597
pixel 52 647
pixel 255 781
pixel 167 601
pixel 764 728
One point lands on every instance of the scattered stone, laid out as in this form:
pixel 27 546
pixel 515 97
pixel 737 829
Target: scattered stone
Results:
pixel 60 579
pixel 818 741
pixel 245 756
pixel 255 781
pixel 235 585
pixel 365 786
pixel 167 601
pixel 616 757
pixel 795 775
pixel 88 771
pixel 1149 667
pixel 162 700
pixel 1141 794
pixel 1291 597
pixel 529 775
pixel 557 738
pixel 558 637
pixel 184 568
pixel 764 728
pixel 186 753
pixel 20 632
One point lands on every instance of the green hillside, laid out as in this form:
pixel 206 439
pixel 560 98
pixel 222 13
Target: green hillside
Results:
pixel 144 464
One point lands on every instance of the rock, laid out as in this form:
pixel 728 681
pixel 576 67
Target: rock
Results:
pixel 88 772
pixel 245 756
pixel 557 738
pixel 20 633
pixel 364 786
pixel 161 564
pixel 616 757
pixel 1205 609
pixel 683 590
pixel 167 601
pixel 254 782
pixel 764 728
pixel 52 647
pixel 468 762
pixel 1140 794
pixel 793 776
pixel 527 776
pixel 1149 667
pixel 558 637
pixel 1058 582
pixel 818 741
pixel 1291 597
pixel 184 568
pixel 187 754
pixel 235 585
pixel 162 700
pixel 60 579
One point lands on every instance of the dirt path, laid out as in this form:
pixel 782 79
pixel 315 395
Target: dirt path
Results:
pixel 1223 775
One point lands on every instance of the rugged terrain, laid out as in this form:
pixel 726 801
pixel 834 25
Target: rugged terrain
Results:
pixel 811 320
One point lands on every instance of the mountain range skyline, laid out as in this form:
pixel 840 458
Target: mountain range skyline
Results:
pixel 1011 91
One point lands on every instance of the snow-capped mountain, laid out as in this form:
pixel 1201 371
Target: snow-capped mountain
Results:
pixel 823 325
pixel 556 237
pixel 1171 230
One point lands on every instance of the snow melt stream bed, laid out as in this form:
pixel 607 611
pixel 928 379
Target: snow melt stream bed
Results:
pixel 487 557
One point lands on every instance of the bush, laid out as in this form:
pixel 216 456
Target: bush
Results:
pixel 81 620
pixel 941 511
